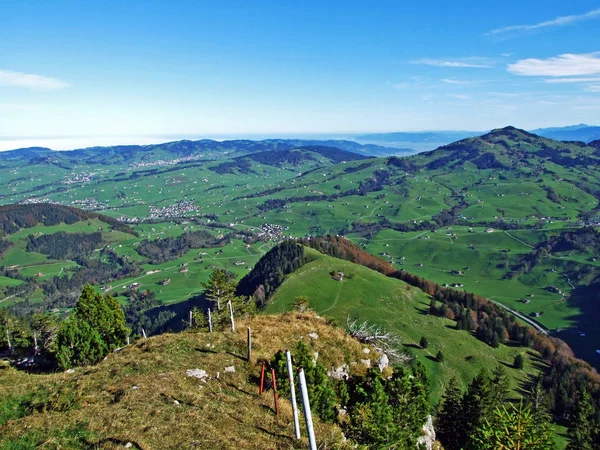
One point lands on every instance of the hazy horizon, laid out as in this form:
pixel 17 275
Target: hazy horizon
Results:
pixel 238 68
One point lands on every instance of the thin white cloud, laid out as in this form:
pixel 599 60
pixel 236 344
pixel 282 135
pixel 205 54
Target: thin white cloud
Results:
pixel 454 81
pixel 567 65
pixel 573 80
pixel 559 21
pixel 460 96
pixel 593 88
pixel 28 80
pixel 477 63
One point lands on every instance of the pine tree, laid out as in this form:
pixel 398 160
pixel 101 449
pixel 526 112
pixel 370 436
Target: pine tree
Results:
pixel 439 357
pixel 500 385
pixel 96 327
pixel 581 428
pixel 519 362
pixel 423 342
pixel 538 401
pixel 450 417
pixel 219 288
pixel 476 404
pixel 78 344
pixel 512 427
pixel 104 314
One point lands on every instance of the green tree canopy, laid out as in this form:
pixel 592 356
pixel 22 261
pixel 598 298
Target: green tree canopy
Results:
pixel 96 327
pixel 512 428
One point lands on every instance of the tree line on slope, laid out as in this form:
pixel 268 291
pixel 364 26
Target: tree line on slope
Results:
pixel 16 217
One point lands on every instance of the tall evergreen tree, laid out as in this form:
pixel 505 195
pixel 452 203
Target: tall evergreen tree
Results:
pixel 476 404
pixel 450 418
pixel 104 314
pixel 539 402
pixel 500 385
pixel 582 427
pixel 219 288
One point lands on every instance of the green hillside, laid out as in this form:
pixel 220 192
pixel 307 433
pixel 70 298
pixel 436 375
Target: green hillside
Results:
pixel 494 202
pixel 366 295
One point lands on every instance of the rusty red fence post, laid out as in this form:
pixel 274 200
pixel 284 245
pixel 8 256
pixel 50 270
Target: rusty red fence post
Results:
pixel 275 396
pixel 262 379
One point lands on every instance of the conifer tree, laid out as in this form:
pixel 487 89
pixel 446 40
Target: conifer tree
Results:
pixel 476 404
pixel 538 401
pixel 511 428
pixel 500 385
pixel 582 429
pixel 219 288
pixel 519 362
pixel 450 417
pixel 97 326
pixel 104 314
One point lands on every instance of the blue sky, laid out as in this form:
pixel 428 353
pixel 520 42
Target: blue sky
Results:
pixel 143 70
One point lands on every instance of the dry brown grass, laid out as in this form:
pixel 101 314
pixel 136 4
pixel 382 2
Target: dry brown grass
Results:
pixel 132 395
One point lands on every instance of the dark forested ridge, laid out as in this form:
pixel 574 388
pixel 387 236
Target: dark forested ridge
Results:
pixel 167 249
pixel 16 217
pixel 64 245
pixel 268 274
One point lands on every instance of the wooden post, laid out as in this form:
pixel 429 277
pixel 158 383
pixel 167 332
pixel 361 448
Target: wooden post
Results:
pixel 191 318
pixel 218 299
pixel 209 321
pixel 144 333
pixel 312 444
pixel 249 345
pixel 288 356
pixel 127 340
pixel 231 315
pixel 262 379
pixel 275 396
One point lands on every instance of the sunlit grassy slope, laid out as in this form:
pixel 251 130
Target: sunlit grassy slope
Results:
pixel 142 395
pixel 377 299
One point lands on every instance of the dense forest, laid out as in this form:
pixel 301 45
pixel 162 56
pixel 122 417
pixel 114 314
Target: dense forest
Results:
pixel 161 250
pixel 64 245
pixel 268 274
pixel 16 217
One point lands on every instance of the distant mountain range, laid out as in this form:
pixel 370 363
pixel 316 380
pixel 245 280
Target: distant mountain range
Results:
pixel 582 132
pixel 210 149
pixel 428 140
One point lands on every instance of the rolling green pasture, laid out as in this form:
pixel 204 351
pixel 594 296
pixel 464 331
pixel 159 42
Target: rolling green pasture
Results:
pixel 484 260
pixel 390 303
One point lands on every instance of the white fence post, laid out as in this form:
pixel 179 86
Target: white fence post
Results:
pixel 312 444
pixel 209 321
pixel 191 318
pixel 293 393
pixel 231 315
pixel 144 333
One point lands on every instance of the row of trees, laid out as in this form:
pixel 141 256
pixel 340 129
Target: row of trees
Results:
pixel 482 418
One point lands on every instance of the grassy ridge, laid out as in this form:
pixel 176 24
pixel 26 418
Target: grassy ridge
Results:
pixel 142 394
pixel 375 298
